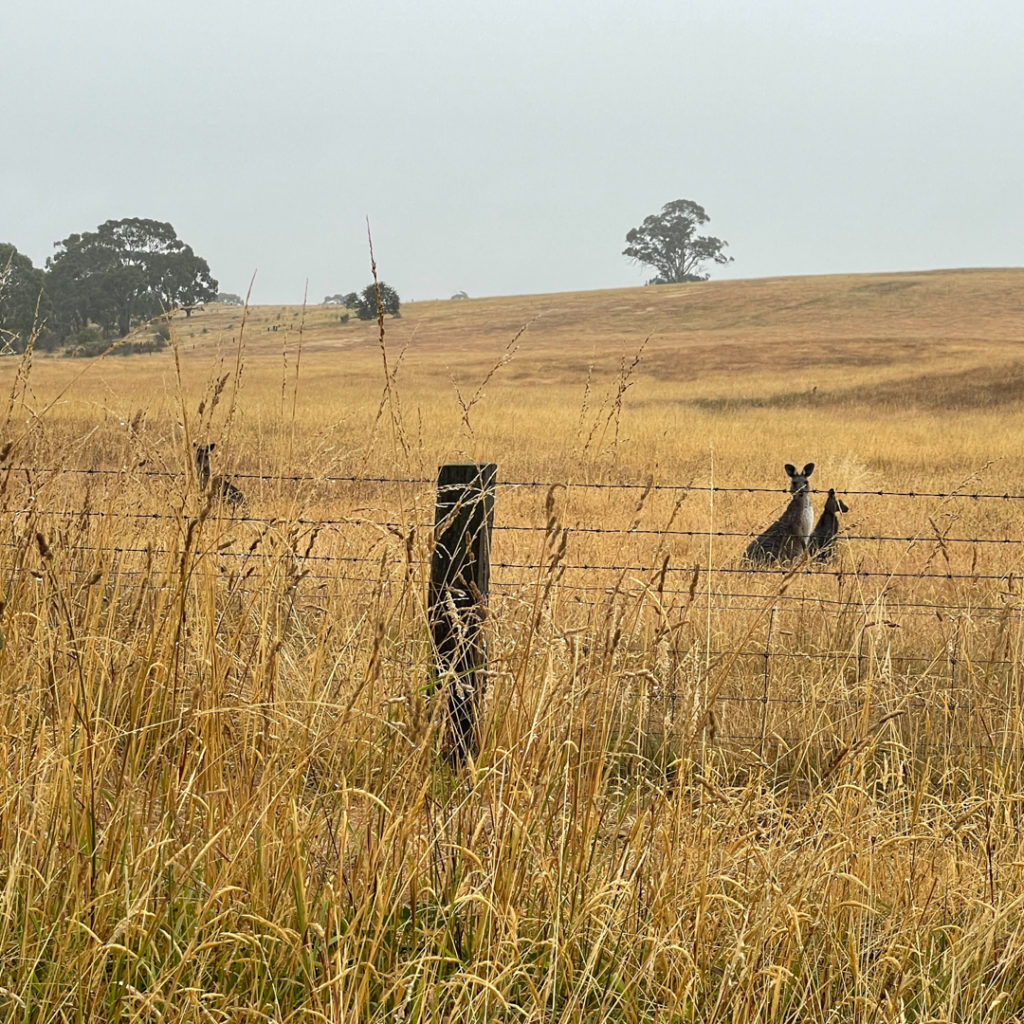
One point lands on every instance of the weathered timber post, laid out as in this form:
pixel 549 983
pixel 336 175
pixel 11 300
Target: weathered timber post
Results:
pixel 460 576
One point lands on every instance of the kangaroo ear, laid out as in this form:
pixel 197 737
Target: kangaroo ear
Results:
pixel 790 468
pixel 211 446
pixel 808 469
pixel 842 506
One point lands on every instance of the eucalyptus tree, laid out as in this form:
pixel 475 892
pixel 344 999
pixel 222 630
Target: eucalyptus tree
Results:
pixel 668 242
pixel 123 273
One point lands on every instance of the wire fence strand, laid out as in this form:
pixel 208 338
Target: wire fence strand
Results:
pixel 953 493
pixel 355 520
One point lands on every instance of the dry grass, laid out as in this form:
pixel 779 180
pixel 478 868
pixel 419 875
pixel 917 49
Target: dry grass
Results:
pixel 704 794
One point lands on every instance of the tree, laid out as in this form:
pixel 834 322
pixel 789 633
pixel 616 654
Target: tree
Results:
pixel 183 282
pixel 123 273
pixel 229 299
pixel 668 242
pixel 366 304
pixel 23 300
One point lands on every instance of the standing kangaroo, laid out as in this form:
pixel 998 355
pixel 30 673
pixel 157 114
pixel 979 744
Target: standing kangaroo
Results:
pixel 786 539
pixel 822 542
pixel 219 487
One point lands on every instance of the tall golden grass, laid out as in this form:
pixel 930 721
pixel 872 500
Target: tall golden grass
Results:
pixel 703 793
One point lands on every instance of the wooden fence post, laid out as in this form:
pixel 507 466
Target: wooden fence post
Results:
pixel 460 574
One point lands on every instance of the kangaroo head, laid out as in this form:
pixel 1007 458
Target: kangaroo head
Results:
pixel 798 481
pixel 203 456
pixel 834 504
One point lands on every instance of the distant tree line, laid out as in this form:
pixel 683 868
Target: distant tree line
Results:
pixel 364 304
pixel 98 286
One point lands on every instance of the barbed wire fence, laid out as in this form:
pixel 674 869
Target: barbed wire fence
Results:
pixel 584 582
pixel 954 493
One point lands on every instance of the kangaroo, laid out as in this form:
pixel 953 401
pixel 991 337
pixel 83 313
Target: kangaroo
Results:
pixel 786 539
pixel 219 487
pixel 822 543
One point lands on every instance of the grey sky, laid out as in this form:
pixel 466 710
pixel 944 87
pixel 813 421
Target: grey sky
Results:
pixel 507 147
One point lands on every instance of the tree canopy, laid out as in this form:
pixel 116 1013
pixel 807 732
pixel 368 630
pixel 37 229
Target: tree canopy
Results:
pixel 668 242
pixel 123 273
pixel 23 301
pixel 366 303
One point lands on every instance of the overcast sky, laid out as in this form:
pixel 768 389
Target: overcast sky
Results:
pixel 507 147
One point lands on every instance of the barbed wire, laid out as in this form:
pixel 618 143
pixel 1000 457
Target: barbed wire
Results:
pixel 781 573
pixel 718 601
pixel 630 532
pixel 695 656
pixel 796 742
pixel 810 569
pixel 499 527
pixel 717 489
pixel 168 474
pixel 914 609
pixel 899 702
pixel 183 516
pixel 525 484
pixel 815 571
pixel 946 699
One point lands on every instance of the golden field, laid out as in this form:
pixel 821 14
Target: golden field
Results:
pixel 704 793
